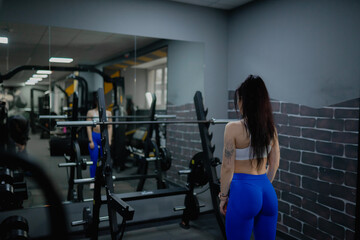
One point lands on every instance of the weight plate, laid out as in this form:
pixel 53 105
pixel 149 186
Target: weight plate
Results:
pixel 166 159
pixel 198 172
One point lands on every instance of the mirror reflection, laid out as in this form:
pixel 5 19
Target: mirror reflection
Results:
pixel 58 72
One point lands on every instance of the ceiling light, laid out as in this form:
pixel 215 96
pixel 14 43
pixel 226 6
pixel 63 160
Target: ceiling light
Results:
pixel 40 75
pixel 29 83
pixel 60 60
pixel 43 72
pixel 35 79
pixel 4 40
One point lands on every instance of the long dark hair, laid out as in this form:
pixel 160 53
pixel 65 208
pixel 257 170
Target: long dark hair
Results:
pixel 257 114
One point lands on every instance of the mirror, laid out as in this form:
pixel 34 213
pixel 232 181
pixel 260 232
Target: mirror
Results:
pixel 140 66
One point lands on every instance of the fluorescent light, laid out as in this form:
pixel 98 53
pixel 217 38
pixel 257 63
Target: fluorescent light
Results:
pixel 40 76
pixel 29 81
pixel 43 72
pixel 35 79
pixel 4 40
pixel 60 60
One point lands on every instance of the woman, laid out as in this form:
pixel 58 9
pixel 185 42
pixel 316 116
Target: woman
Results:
pixel 250 161
pixel 94 137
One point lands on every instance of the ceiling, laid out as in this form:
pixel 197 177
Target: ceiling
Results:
pixel 219 4
pixel 34 45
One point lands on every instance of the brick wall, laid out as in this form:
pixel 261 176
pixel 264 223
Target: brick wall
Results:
pixel 316 181
pixel 183 141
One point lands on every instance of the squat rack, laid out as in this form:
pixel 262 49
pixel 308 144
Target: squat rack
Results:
pixel 115 202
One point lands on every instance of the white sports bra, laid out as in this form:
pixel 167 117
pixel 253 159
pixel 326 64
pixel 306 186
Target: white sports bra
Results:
pixel 96 118
pixel 246 153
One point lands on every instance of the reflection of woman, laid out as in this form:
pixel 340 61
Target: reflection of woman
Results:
pixel 94 137
pixel 247 197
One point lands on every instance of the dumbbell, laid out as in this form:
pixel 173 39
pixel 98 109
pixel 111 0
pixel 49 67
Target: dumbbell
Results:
pixel 14 228
pixel 6 176
pixel 13 190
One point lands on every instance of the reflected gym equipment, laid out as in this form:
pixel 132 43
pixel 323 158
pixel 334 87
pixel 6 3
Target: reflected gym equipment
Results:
pixel 13 189
pixel 104 171
pixel 58 221
pixel 119 203
pixel 14 227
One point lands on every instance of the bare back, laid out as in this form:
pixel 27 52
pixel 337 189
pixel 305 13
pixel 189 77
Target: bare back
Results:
pixel 242 140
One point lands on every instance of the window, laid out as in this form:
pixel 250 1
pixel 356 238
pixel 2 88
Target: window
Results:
pixel 157 83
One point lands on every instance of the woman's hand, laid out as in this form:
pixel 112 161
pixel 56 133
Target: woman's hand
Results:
pixel 223 206
pixel 91 144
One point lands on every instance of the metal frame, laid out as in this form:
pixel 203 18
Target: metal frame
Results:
pixel 115 202
pixel 208 150
pixel 32 112
pixel 104 175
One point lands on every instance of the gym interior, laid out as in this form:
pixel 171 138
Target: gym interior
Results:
pixel 174 61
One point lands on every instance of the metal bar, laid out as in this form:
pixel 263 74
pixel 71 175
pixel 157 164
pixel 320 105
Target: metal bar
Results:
pixel 94 123
pixel 88 163
pixel 54 117
pixel 152 194
pixel 121 207
pixel 134 177
pixel 84 180
pixel 125 178
pixel 78 223
pixel 162 116
pixel 112 117
pixel 82 222
pixel 185 171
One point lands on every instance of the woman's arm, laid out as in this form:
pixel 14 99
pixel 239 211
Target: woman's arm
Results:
pixel 110 128
pixel 273 159
pixel 88 129
pixel 227 167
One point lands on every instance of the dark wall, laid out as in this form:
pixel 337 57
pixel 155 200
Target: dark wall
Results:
pixel 316 180
pixel 307 51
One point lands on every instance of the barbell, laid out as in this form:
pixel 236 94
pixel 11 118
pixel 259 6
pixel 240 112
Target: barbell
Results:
pixel 157 116
pixel 94 123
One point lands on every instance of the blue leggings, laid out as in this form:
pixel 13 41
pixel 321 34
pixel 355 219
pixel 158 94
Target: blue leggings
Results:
pixel 252 206
pixel 94 153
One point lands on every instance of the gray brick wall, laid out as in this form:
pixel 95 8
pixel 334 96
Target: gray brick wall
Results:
pixel 316 181
pixel 183 141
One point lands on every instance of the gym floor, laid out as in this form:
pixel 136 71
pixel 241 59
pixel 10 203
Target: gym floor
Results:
pixel 205 227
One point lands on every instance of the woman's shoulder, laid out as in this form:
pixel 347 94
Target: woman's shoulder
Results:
pixel 234 126
pixel 90 112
